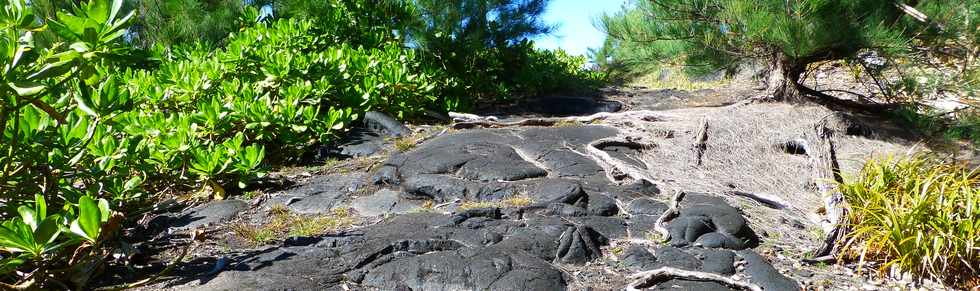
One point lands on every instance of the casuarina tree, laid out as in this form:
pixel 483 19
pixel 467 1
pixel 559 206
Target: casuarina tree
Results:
pixel 788 35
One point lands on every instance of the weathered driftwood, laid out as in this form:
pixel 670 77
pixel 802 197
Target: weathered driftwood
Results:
pixel 464 121
pixel 669 214
pixel 647 279
pixel 826 176
pixel 700 142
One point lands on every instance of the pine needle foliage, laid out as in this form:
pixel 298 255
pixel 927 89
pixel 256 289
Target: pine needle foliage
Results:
pixel 918 215
pixel 708 35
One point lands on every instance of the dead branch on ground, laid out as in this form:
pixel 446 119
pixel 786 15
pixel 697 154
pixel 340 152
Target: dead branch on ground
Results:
pixel 826 176
pixel 647 279
pixel 465 121
pixel 700 142
pixel 669 214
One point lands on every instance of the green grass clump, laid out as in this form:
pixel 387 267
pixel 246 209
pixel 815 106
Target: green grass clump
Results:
pixel 917 214
pixel 407 143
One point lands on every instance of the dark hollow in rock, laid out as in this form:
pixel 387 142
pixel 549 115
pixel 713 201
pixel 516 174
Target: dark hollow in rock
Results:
pixel 568 106
pixel 710 222
pixel 792 147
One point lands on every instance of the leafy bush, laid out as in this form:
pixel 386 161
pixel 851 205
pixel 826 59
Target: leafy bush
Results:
pixel 57 101
pixel 917 214
pixel 963 125
pixel 515 72
pixel 80 125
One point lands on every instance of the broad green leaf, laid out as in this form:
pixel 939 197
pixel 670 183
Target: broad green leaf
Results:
pixel 48 230
pixel 133 183
pixel 28 216
pixel 50 70
pixel 84 101
pixel 116 6
pixel 12 241
pixel 98 10
pixel 88 223
pixel 40 206
pixel 26 88
pixel 104 209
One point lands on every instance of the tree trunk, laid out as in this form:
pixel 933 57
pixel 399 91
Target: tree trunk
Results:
pixel 784 76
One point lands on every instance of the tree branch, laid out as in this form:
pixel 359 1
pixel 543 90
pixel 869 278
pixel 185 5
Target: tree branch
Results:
pixel 647 279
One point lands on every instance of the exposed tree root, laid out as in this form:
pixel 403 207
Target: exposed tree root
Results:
pixel 669 214
pixel 766 199
pixel 837 103
pixel 700 142
pixel 464 121
pixel 824 99
pixel 648 279
pixel 617 171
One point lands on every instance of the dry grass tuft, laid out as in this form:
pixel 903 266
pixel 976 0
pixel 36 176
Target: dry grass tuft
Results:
pixel 677 80
pixel 740 152
pixel 567 123
pixel 512 202
pixel 406 143
pixel 283 223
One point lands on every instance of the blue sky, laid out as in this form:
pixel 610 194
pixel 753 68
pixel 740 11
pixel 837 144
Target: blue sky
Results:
pixel 576 32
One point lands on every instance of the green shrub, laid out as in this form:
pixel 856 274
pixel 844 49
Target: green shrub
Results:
pixel 80 125
pixel 963 125
pixel 917 214
pixel 515 72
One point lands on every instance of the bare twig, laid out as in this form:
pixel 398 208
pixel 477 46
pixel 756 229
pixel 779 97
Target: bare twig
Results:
pixel 700 142
pixel 766 199
pixel 646 279
pixel 911 11
pixel 669 214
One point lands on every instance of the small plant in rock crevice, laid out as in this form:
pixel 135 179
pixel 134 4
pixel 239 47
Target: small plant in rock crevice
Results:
pixel 283 223
pixel 406 143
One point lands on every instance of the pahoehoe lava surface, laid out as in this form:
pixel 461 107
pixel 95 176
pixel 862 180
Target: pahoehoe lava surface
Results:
pixel 574 214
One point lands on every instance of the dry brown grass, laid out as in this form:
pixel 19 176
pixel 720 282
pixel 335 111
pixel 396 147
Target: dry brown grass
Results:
pixel 740 156
pixel 740 150
pixel 283 223
pixel 512 202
